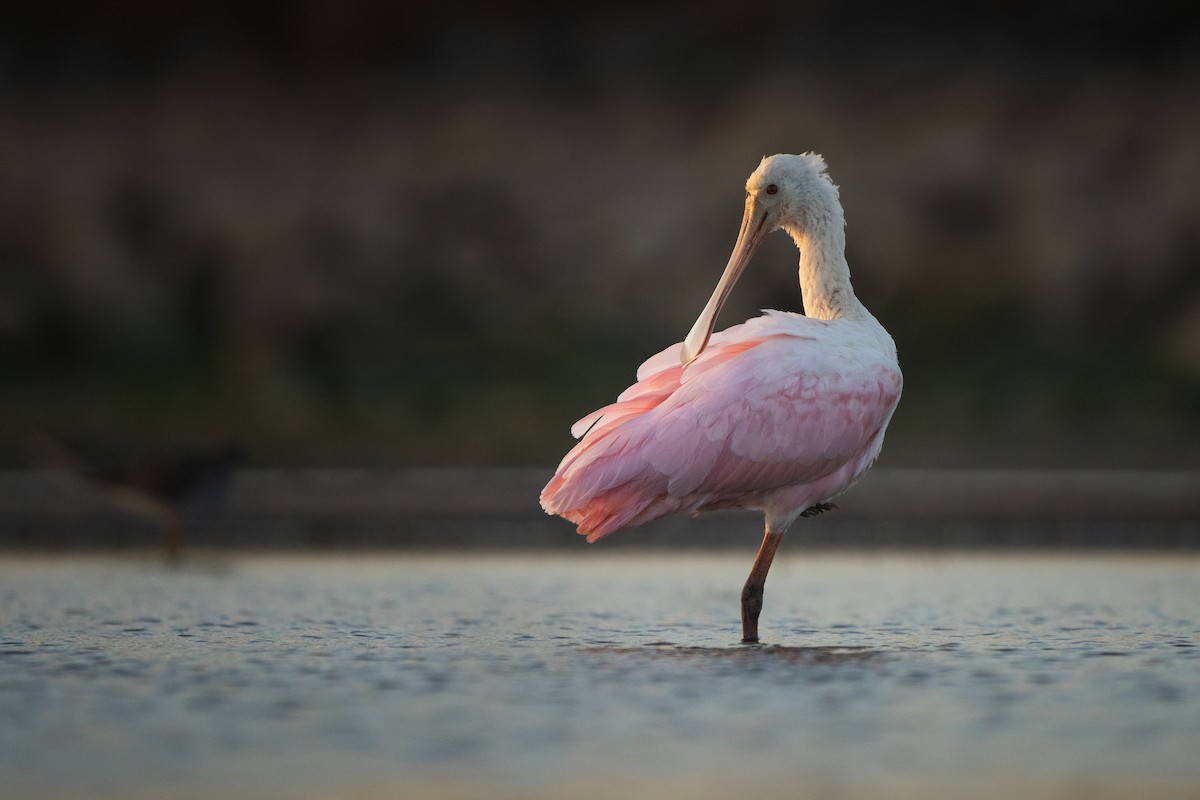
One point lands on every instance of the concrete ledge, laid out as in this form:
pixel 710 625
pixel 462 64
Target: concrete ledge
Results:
pixel 884 492
pixel 498 507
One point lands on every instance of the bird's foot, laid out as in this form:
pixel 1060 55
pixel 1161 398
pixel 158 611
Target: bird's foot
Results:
pixel 819 508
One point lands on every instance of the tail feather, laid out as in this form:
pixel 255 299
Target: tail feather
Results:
pixel 609 512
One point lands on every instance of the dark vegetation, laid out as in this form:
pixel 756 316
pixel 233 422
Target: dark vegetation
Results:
pixel 379 233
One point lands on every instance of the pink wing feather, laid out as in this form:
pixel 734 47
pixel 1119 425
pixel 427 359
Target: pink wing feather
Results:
pixel 779 413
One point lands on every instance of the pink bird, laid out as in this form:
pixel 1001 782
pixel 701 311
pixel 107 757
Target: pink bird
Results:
pixel 779 414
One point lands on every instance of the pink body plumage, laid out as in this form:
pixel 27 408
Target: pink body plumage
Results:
pixel 778 414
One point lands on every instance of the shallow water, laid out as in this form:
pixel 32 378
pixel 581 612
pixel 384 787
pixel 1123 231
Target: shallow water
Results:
pixel 600 675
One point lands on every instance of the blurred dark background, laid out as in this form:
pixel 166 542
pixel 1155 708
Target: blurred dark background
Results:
pixel 385 234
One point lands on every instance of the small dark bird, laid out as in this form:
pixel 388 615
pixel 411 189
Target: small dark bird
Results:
pixel 154 488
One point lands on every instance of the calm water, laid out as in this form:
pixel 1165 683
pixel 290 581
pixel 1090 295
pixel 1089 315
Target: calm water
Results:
pixel 597 675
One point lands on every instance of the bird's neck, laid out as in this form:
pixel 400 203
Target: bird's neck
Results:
pixel 824 273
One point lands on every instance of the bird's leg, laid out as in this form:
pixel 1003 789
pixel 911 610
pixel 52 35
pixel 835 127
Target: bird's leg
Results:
pixel 172 538
pixel 752 592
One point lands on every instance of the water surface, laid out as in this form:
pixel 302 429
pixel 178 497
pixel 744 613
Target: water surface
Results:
pixel 600 675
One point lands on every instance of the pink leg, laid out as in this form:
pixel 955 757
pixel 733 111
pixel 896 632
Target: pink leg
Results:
pixel 752 592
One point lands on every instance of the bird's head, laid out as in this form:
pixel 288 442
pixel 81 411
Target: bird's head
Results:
pixel 789 191
pixel 785 191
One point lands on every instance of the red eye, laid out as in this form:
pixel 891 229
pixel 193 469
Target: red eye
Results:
pixel 772 188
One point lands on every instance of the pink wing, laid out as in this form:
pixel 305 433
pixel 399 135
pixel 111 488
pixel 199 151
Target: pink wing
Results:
pixel 779 403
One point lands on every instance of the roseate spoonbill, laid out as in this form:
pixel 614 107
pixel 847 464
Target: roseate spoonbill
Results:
pixel 779 414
